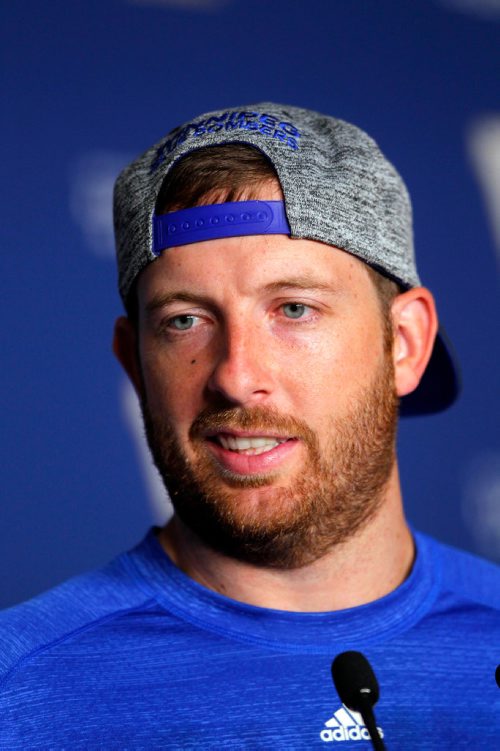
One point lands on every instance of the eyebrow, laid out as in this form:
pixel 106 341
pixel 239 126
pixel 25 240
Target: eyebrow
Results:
pixel 159 301
pixel 305 282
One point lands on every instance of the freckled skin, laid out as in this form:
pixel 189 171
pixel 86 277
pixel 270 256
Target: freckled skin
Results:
pixel 287 335
pixel 253 354
pixel 246 354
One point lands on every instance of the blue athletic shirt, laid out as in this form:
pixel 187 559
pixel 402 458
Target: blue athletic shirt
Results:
pixel 139 656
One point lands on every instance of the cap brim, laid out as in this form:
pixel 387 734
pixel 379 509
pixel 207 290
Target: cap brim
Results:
pixel 440 385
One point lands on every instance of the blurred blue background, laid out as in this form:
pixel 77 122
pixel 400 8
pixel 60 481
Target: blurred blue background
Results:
pixel 86 86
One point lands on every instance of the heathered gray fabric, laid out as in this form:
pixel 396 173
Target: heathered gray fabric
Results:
pixel 338 187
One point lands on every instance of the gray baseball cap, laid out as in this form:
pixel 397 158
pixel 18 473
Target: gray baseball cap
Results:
pixel 338 189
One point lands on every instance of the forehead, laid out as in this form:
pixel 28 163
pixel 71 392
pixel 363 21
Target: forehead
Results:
pixel 246 265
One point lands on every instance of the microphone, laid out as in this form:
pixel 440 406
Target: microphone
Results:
pixel 358 689
pixel 497 675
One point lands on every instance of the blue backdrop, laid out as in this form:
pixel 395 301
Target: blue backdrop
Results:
pixel 89 84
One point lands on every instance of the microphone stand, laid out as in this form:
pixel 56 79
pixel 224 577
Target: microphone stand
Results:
pixel 366 711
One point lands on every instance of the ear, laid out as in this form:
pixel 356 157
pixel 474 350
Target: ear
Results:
pixel 125 347
pixel 415 326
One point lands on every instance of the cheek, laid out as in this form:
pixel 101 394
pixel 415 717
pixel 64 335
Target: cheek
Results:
pixel 327 372
pixel 174 387
pixel 305 376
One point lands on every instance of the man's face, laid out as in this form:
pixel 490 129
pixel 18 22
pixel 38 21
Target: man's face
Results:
pixel 268 393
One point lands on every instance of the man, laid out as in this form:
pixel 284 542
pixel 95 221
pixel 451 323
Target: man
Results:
pixel 275 322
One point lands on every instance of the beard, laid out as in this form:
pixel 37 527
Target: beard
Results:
pixel 253 518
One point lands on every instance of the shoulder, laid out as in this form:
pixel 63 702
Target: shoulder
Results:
pixel 464 574
pixel 80 603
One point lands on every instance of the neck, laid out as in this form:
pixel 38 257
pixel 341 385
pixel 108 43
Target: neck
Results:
pixel 375 561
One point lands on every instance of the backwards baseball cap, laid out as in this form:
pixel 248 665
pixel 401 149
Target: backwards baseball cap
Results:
pixel 338 189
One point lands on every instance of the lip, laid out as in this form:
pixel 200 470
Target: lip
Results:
pixel 246 464
pixel 247 434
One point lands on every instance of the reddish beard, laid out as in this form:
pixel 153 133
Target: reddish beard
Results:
pixel 332 497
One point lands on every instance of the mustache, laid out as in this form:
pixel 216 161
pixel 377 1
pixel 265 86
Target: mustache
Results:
pixel 250 418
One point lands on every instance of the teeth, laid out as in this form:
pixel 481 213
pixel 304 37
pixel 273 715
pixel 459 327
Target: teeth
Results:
pixel 249 445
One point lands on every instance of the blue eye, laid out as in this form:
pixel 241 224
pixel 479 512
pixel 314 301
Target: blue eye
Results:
pixel 294 309
pixel 182 323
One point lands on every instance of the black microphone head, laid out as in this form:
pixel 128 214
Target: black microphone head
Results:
pixel 497 675
pixel 354 680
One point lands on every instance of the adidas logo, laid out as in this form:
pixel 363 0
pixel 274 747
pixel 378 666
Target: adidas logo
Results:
pixel 346 725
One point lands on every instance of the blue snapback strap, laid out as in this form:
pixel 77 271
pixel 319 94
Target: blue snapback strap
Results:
pixel 218 220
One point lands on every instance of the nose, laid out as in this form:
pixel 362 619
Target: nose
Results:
pixel 242 372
